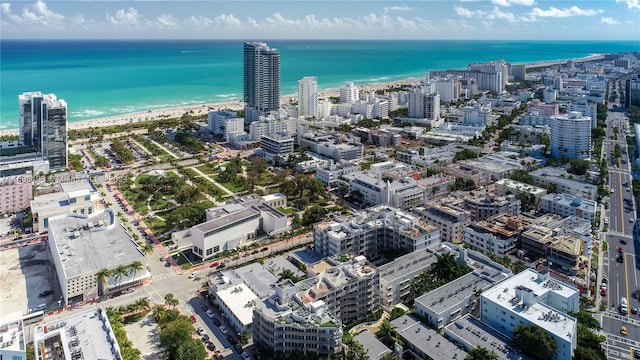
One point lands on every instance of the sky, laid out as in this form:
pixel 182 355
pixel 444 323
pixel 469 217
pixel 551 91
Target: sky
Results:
pixel 315 19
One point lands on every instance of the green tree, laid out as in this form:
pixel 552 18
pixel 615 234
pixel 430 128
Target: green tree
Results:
pixel 171 300
pixel 120 272
pixel 387 333
pixel 481 353
pixel 102 277
pixel 586 319
pixel 535 341
pixel 134 268
pixel 190 349
pixel 176 333
pixel 147 249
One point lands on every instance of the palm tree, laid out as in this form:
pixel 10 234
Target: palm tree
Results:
pixel 287 274
pixel 147 249
pixel 142 304
pixel 387 332
pixel 481 353
pixel 120 272
pixel 102 276
pixel 171 300
pixel 134 267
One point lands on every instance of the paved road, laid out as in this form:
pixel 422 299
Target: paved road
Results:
pixel 620 262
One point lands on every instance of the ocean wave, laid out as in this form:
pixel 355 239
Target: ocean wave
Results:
pixel 225 96
pixel 86 113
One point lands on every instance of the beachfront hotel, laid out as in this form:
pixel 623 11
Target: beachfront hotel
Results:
pixel 261 80
pixel 308 97
pixel 43 125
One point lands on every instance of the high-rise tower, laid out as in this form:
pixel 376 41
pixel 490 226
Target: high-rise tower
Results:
pixel 43 125
pixel 261 80
pixel 308 96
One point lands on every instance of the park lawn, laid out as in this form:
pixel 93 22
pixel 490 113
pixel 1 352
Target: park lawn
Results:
pixel 155 225
pixel 137 180
pixel 265 180
pixel 287 210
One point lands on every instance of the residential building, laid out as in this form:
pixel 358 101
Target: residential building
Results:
pixel 587 109
pixel 498 235
pixel 236 304
pixel 475 79
pixel 13 343
pixel 371 231
pixel 84 244
pixel 397 275
pixel 261 80
pixel 16 192
pixel 276 145
pixel 285 324
pixel 477 115
pixel 225 123
pixel 419 341
pixel 483 206
pixel 270 125
pixel 508 186
pixel 449 218
pixel 468 171
pixel 348 285
pixel 534 298
pixel 373 347
pixel 571 136
pixel 559 178
pixel 76 197
pixel 80 335
pixel 567 205
pixel 632 91
pixel 448 87
pixel 331 147
pixel 424 103
pixel 349 93
pixel 308 97
pixel 330 174
pixel 43 126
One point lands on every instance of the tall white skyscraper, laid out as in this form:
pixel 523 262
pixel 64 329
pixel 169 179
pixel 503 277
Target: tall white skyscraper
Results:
pixel 349 93
pixel 424 103
pixel 571 136
pixel 308 97
pixel 43 125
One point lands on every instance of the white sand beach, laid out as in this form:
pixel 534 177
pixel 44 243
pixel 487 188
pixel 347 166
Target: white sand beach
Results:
pixel 203 109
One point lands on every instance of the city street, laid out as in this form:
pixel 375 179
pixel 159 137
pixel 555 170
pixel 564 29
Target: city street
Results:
pixel 620 262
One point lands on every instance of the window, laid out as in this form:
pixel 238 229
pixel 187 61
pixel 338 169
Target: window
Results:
pixel 209 252
pixel 216 248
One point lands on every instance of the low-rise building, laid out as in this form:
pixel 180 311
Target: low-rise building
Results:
pixel 83 245
pixel 225 123
pixel 330 174
pixel 567 205
pixel 12 340
pixel 419 341
pixel 372 231
pixel 498 235
pixel 284 324
pixel 331 147
pixel 77 198
pixel 486 205
pixel 83 335
pixel 506 186
pixel 276 145
pixel 449 218
pixel 533 298
pixel 559 178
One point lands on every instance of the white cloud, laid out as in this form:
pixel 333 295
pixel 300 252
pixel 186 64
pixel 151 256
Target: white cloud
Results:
pixel 631 4
pixel 167 21
pixel 513 2
pixel 495 14
pixel 464 12
pixel 406 23
pixel 128 17
pixel 199 21
pixel 396 8
pixel 37 13
pixel 554 12
pixel 609 21
pixel 227 20
pixel 502 15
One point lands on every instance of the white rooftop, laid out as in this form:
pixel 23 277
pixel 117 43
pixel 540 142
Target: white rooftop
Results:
pixel 240 300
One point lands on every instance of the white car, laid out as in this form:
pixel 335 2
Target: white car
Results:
pixel 223 330
pixel 200 331
pixel 246 356
pixel 192 275
pixel 606 220
pixel 210 314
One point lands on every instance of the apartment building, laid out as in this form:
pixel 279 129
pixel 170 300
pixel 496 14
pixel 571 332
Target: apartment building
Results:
pixel 276 145
pixel 534 298
pixel 449 218
pixel 225 123
pixel 567 205
pixel 285 324
pixel 330 174
pixel 76 197
pixel 371 231
pixel 485 205
pixel 506 186
pixel 558 177
pixel 571 136
pixel 498 235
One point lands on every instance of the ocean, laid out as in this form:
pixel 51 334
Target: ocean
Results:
pixel 104 78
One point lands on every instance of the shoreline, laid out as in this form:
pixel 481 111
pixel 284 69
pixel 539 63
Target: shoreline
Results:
pixel 235 105
pixel 203 109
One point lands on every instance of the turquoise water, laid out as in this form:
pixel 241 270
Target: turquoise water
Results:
pixel 104 78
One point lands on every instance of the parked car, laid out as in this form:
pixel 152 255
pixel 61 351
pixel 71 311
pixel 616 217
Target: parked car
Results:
pixel 223 330
pixel 214 264
pixel 193 318
pixel 193 274
pixel 204 307
pixel 45 293
pixel 216 322
pixel 603 292
pixel 205 337
pixel 200 330
pixel 211 347
pixel 210 314
pixel 264 249
pixel 246 356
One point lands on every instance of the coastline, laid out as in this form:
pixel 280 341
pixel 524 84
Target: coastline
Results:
pixel 235 105
pixel 202 109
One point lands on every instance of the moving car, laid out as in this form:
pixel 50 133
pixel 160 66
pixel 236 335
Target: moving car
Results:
pixel 620 250
pixel 623 330
pixel 193 274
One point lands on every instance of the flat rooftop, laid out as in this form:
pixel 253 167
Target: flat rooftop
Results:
pixel 372 346
pixel 240 300
pixel 427 340
pixel 550 319
pixel 257 278
pixel 52 203
pixel 12 332
pixel 412 262
pixel 227 215
pixel 86 244
pixel 87 334
pixel 457 291
pixel 473 332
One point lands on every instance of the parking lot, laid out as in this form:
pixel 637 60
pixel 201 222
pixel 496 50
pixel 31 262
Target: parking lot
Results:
pixel 26 272
pixel 145 336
